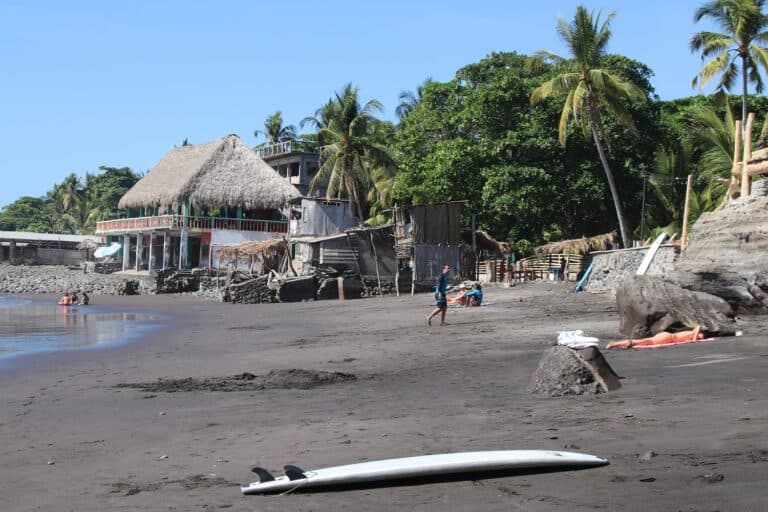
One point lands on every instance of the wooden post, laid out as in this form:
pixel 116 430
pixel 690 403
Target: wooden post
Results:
pixel 357 263
pixel 12 252
pixel 747 155
pixel 686 211
pixel 376 259
pixel 340 285
pixel 397 278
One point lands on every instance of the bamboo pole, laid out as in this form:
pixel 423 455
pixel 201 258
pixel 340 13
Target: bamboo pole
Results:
pixel 376 259
pixel 357 263
pixel 747 155
pixel 686 211
pixel 736 171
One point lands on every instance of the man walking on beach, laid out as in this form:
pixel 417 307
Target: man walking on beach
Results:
pixel 441 297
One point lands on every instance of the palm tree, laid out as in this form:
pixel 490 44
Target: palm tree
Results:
pixel 712 137
pixel 409 100
pixel 351 147
pixel 736 49
pixel 274 131
pixel 589 89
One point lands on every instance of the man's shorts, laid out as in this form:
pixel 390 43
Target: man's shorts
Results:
pixel 442 304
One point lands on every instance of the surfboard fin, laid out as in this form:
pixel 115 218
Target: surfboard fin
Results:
pixel 264 475
pixel 293 472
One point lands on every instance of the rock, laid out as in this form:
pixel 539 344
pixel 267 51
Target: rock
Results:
pixel 647 456
pixel 745 293
pixel 648 305
pixel 727 250
pixel 561 372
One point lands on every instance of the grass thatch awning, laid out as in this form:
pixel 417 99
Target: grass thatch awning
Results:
pixel 266 249
pixel 224 172
pixel 485 242
pixel 579 245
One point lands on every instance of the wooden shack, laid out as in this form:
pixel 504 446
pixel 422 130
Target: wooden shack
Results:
pixel 428 236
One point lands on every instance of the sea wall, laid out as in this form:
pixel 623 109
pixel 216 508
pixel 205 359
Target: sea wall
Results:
pixel 610 268
pixel 58 279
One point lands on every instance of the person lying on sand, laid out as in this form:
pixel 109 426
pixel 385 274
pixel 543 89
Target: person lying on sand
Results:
pixel 662 338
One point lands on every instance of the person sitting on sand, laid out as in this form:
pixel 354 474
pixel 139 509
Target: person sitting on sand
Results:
pixel 662 338
pixel 84 299
pixel 66 300
pixel 474 297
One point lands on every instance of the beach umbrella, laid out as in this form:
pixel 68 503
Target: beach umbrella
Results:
pixel 103 252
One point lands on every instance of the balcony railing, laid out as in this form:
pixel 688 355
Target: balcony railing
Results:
pixel 172 222
pixel 287 147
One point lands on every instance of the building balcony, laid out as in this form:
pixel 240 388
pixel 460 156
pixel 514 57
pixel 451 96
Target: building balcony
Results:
pixel 286 148
pixel 179 222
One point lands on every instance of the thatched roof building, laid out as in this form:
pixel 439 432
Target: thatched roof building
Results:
pixel 579 245
pixel 224 172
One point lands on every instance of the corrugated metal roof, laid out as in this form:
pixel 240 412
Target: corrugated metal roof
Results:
pixel 27 236
pixel 317 239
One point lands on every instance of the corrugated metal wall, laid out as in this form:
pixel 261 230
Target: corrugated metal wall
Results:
pixel 321 219
pixel 431 258
pixel 436 223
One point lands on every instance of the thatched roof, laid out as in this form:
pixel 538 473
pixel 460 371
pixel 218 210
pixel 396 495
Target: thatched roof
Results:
pixel 579 245
pixel 485 242
pixel 256 249
pixel 224 172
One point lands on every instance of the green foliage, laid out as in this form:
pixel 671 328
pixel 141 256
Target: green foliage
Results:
pixel 736 49
pixel 354 162
pixel 477 138
pixel 274 131
pixel 25 214
pixel 71 206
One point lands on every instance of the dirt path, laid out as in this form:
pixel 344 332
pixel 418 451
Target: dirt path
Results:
pixel 686 432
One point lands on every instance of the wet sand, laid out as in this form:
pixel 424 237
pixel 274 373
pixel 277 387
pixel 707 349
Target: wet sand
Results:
pixel 72 438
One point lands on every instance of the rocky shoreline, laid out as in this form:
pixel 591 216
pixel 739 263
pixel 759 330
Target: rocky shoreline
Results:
pixel 56 279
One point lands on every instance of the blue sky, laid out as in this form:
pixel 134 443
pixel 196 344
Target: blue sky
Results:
pixel 90 83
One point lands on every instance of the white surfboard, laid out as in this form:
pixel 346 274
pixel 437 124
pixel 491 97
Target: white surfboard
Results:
pixel 422 466
pixel 652 250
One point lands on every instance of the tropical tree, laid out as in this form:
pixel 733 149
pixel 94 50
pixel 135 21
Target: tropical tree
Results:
pixel 712 137
pixel 590 90
pixel 274 131
pixel 737 49
pixel 409 100
pixel 352 147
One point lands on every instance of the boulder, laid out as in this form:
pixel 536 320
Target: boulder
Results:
pixel 649 305
pixel 565 371
pixel 727 252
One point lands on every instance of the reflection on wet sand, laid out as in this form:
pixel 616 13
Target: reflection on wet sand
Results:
pixel 33 327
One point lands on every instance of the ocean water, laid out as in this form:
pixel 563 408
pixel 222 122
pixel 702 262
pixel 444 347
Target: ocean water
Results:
pixel 29 327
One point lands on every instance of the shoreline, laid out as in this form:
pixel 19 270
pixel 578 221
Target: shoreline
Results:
pixel 700 409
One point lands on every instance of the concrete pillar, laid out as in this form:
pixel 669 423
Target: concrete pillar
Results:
pixel 12 252
pixel 139 251
pixel 183 248
pixel 166 249
pixel 126 251
pixel 151 264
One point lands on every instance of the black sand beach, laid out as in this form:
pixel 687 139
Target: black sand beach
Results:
pixel 686 432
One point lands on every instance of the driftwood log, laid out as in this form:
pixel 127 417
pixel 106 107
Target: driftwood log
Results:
pixel 649 305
